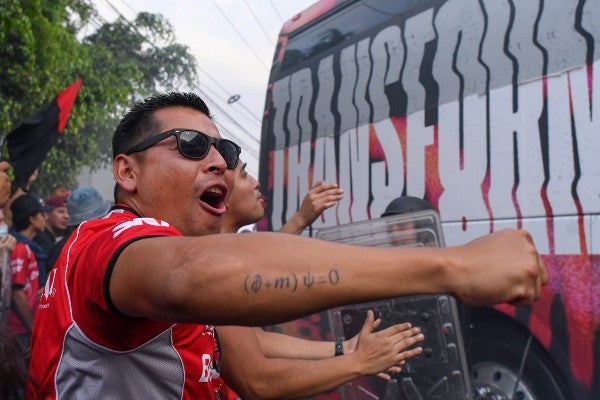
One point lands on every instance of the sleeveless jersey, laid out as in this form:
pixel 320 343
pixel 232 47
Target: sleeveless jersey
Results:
pixel 84 348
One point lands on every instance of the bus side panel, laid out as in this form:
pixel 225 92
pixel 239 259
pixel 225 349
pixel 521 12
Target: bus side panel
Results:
pixel 565 319
pixel 488 109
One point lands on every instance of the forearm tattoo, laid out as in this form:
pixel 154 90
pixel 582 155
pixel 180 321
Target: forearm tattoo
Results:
pixel 291 282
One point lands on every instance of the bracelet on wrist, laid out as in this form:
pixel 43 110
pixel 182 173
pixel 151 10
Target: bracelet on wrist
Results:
pixel 339 348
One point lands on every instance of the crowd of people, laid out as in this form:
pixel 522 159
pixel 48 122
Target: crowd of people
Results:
pixel 32 232
pixel 159 297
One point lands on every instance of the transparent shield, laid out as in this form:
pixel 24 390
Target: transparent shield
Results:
pixel 440 372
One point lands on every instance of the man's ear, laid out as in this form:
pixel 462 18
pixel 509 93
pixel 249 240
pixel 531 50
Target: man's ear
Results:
pixel 124 172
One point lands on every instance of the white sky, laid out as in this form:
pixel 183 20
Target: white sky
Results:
pixel 230 62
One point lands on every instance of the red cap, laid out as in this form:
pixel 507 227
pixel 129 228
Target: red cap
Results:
pixel 56 201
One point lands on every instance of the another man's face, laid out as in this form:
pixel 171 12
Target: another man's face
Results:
pixel 58 219
pixel 403 234
pixel 38 221
pixel 246 204
pixel 189 194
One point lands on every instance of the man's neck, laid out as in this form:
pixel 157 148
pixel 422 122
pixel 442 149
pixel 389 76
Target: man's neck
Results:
pixel 229 228
pixel 28 232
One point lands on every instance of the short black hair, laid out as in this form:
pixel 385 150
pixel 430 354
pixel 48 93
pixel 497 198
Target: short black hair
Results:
pixel 140 122
pixel 22 208
pixel 21 222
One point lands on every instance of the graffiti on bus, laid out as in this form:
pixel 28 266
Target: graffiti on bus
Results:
pixel 436 106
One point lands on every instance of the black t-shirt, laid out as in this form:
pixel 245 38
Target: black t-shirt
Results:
pixel 57 247
pixel 45 239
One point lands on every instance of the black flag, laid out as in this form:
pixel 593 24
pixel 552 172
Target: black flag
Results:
pixel 30 142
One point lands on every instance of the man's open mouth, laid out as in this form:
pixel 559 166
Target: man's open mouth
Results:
pixel 214 197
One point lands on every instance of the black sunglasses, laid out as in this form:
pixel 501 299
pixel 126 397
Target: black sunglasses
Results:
pixel 194 144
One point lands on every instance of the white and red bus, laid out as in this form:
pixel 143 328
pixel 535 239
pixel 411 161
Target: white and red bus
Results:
pixel 490 110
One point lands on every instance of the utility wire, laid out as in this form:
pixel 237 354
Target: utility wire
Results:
pixel 225 101
pixel 246 148
pixel 260 24
pixel 199 68
pixel 276 12
pixel 129 6
pixel 130 24
pixel 199 89
pixel 240 35
pixel 247 152
pixel 213 80
pixel 223 112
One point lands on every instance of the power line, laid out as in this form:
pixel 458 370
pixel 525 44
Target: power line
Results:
pixel 259 24
pixel 225 101
pixel 129 6
pixel 229 95
pixel 242 142
pixel 240 35
pixel 246 148
pixel 276 12
pixel 130 24
pixel 196 86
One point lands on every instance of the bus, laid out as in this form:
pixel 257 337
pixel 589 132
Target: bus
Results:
pixel 488 109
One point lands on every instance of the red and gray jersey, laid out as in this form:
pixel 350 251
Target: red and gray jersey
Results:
pixel 84 348
pixel 25 274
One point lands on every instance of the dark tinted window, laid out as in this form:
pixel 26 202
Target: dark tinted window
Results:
pixel 345 23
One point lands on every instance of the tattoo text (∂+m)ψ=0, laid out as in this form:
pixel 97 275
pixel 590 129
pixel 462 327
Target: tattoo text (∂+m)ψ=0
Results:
pixel 256 283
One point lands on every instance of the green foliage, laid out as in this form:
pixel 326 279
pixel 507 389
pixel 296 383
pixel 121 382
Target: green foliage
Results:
pixel 47 45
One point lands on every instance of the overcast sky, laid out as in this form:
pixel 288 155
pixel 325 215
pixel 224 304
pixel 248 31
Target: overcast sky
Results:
pixel 234 43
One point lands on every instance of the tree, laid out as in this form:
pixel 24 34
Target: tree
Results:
pixel 44 47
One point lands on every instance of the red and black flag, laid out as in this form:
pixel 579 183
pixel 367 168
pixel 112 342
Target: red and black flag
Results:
pixel 29 143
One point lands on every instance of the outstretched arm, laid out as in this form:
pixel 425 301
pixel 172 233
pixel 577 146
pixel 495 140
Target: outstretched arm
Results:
pixel 269 277
pixel 253 376
pixel 274 344
pixel 319 198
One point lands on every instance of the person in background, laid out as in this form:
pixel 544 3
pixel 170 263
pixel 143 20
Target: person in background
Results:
pixel 57 219
pixel 28 219
pixel 18 191
pixel 405 233
pixel 268 365
pixel 83 204
pixel 7 244
pixel 5 186
pixel 59 191
pixel 13 371
pixel 135 295
pixel 250 208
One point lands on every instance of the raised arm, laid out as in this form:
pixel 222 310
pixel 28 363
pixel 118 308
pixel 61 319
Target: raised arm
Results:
pixel 319 198
pixel 254 376
pixel 268 278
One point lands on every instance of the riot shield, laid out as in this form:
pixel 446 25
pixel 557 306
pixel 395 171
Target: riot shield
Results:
pixel 440 372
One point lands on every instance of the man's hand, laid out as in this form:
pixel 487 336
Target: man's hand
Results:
pixel 319 198
pixel 378 352
pixel 4 184
pixel 498 268
pixel 8 242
